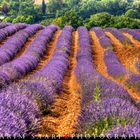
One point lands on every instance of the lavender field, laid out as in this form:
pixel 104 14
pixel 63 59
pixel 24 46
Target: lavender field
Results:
pixel 66 82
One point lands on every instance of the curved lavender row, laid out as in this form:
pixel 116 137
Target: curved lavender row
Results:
pixel 4 24
pixel 48 81
pixel 16 42
pixel 137 65
pixel 122 38
pixel 133 32
pixel 102 98
pixel 7 31
pixel 103 39
pixel 19 114
pixel 27 62
pixel 138 30
pixel 133 82
pixel 114 67
pixel 120 131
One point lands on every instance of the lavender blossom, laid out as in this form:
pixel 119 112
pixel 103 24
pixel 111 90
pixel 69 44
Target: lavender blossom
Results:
pixel 122 38
pixel 102 37
pixel 133 32
pixel 4 24
pixel 103 100
pixel 114 67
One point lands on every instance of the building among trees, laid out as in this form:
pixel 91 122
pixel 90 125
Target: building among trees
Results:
pixel 40 1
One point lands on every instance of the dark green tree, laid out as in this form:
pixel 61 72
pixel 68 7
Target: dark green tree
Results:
pixel 5 9
pixel 43 7
pixel 132 14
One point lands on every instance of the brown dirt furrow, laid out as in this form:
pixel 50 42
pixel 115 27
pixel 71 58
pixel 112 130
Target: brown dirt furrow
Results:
pixel 65 111
pixel 27 44
pixel 135 42
pixel 98 52
pixel 49 53
pixel 128 55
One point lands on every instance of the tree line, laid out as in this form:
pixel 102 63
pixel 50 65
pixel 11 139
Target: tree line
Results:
pixel 89 13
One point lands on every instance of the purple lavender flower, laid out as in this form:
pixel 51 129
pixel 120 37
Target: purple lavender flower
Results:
pixel 103 101
pixel 114 67
pixel 4 24
pixel 133 32
pixel 122 38
pixel 19 115
pixel 120 131
pixel 134 82
pixel 103 39
pixel 16 42
pixel 27 62
pixel 137 65
pixel 9 30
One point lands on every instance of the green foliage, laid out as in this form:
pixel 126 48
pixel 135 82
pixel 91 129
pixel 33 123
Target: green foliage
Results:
pixel 132 14
pixel 106 20
pixel 59 22
pixel 8 19
pixel 47 21
pixel 73 19
pixel 103 13
pixel 101 19
pixel 24 19
pixel 97 92
pixel 106 124
pixel 126 22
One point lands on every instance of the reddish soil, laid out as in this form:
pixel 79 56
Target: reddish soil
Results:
pixel 128 55
pixel 65 111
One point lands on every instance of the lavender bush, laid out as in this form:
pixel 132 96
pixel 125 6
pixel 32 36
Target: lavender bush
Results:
pixel 122 38
pixel 27 62
pixel 120 131
pixel 114 67
pixel 4 24
pixel 16 42
pixel 19 114
pixel 104 103
pixel 103 39
pixel 133 32
pixel 9 30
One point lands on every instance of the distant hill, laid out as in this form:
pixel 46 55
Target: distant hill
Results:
pixel 40 1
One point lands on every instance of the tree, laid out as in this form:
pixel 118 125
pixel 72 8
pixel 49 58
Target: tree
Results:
pixel 101 19
pixel 126 22
pixel 72 18
pixel 43 7
pixel 5 9
pixel 132 13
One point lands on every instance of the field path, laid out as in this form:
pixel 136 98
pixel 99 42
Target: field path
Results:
pixel 127 54
pixel 62 119
pixel 98 52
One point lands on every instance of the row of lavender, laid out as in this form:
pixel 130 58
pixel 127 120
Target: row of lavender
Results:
pixel 9 30
pixel 14 44
pixel 19 113
pixel 24 102
pixel 117 33
pixel 133 32
pixel 106 106
pixel 114 67
pixel 30 59
pixel 4 24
